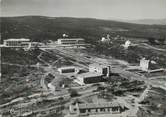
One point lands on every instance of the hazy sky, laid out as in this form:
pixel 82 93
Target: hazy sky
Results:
pixel 103 9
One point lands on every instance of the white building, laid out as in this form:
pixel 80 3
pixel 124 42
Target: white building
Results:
pixel 71 41
pixel 16 42
pixel 96 108
pixel 127 44
pixel 89 77
pixel 99 68
pixel 68 69
pixel 144 64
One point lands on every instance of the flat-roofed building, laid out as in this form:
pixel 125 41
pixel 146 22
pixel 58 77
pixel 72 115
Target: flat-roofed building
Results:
pixel 16 42
pixel 99 68
pixel 144 64
pixel 89 77
pixel 68 69
pixel 71 41
pixel 96 108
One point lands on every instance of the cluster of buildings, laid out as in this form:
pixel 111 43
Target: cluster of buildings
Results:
pixel 65 41
pixel 96 73
pixel 100 68
pixel 85 109
pixel 109 38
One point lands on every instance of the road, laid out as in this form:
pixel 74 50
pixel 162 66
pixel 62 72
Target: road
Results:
pixel 20 65
pixel 145 45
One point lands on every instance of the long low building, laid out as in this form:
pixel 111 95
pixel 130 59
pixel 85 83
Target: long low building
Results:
pixel 96 108
pixel 68 69
pixel 16 42
pixel 71 41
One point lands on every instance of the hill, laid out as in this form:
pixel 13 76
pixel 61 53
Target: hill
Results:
pixel 149 21
pixel 40 28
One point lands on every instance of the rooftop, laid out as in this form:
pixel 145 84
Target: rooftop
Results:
pixel 67 67
pixel 21 39
pixel 70 39
pixel 99 105
pixel 90 74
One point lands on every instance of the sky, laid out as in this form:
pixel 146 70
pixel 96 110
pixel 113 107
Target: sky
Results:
pixel 102 9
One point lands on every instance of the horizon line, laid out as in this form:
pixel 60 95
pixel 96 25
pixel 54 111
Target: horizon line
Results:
pixel 117 19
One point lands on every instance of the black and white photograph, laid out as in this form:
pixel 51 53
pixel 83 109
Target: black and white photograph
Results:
pixel 82 58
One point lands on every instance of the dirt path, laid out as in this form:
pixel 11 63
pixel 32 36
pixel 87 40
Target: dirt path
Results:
pixel 145 45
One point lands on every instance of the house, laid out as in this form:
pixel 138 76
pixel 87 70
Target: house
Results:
pixel 97 73
pixel 106 40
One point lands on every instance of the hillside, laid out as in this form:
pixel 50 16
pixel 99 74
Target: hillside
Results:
pixel 149 21
pixel 40 28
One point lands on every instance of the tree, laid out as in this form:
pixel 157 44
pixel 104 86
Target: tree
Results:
pixel 73 93
pixel 151 41
pixel 161 41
